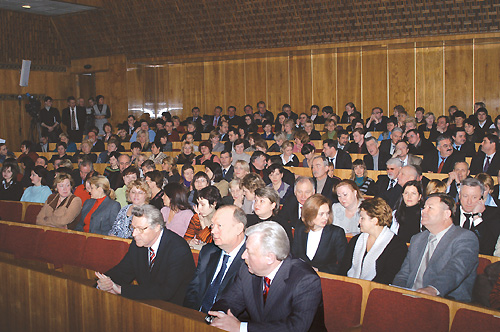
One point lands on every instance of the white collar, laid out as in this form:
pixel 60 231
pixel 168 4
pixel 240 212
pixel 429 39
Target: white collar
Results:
pixel 157 243
pixel 273 272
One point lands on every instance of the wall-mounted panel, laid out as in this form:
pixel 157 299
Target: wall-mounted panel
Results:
pixel 175 89
pixel 487 76
pixel 301 83
pixel 430 94
pixel 214 86
pixel 194 91
pixel 348 80
pixel 458 77
pixel 401 80
pixel 324 79
pixel 234 83
pixel 278 84
pixel 255 81
pixel 374 75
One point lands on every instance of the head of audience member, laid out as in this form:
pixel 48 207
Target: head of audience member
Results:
pixel 26 146
pixel 429 119
pixel 176 121
pixel 471 192
pixel 241 169
pixel 187 173
pixel 444 146
pixel 393 168
pixel 226 158
pixel 308 152
pixel 459 136
pixel 438 212
pixel 38 176
pixel 288 126
pixel 329 148
pixel 138 192
pixel 239 146
pixel 316 213
pixel 280 138
pixel 343 137
pixel 478 105
pixel 348 194
pixel 248 109
pixel 123 162
pixel 402 150
pixel 330 125
pixel 413 137
pixel 92 137
pixel 42 161
pixel 9 171
pixel 392 124
pixel 314 110
pixel 469 126
pixel 266 247
pixel 259 160
pixel 372 146
pixel 301 137
pixel 113 159
pixel 488 183
pixel 231 111
pixel 358 136
pixel 489 144
pixel 148 166
pixel 435 186
pixel 481 114
pixel 217 111
pixel 232 134
pixel 396 135
pixel 228 227
pixel 358 169
pixel 213 171
pixel 236 191
pixel 407 173
pixel 412 194
pixel 319 167
pixel 207 201
pixel 154 180
pixel 176 197
pixel 249 184
pixel 356 122
pixel 281 119
pixel 48 101
pixel 63 183
pixel 442 123
pixel 460 118
pixel 195 111
pixel 402 115
pixel 461 171
pixel 327 112
pixel 61 148
pixel 146 225
pixel 276 172
pixel 187 148
pixel 100 187
pixel 131 120
pixel 130 174
pixel 267 202
pixel 200 181
pixel 419 114
pixel 303 189
pixel 374 215
pixel 3 150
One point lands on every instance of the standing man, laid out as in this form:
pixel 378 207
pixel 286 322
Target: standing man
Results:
pixel 158 259
pixel 73 117
pixel 102 112
pixel 50 120
pixel 443 259
pixel 218 262
pixel 278 293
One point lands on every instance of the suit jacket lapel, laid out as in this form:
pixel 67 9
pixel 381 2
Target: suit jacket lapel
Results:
pixel 257 286
pixel 233 268
pixel 278 287
pixel 158 254
pixel 418 258
pixel 323 242
pixel 212 266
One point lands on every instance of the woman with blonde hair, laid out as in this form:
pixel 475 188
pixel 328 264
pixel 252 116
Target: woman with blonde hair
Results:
pixel 70 146
pixel 186 156
pixel 489 185
pixel 100 211
pixel 138 193
pixel 241 168
pixel 62 207
pixel 143 139
pixel 376 253
pixel 289 128
pixel 346 212
pixel 287 157
pixel 169 169
pixel 435 186
pixel 316 241
pixel 330 129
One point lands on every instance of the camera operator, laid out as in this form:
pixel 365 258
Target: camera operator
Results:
pixel 50 119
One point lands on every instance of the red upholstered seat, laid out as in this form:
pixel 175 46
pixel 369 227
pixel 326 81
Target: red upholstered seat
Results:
pixel 342 302
pixel 469 320
pixel 31 213
pixel 483 263
pixel 101 254
pixel 61 248
pixel 392 311
pixel 22 241
pixel 11 211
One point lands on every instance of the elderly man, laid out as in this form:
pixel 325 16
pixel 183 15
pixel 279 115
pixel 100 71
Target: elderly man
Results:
pixel 291 212
pixel 375 160
pixel 389 145
pixel 407 173
pixel 406 158
pixel 473 215
pixel 258 163
pixel 418 144
pixel 263 114
pixel 218 262
pixel 486 160
pixel 84 168
pixel 441 260
pixel 338 157
pixel 377 121
pixel 442 160
pixel 158 259
pixel 387 185
pixel 322 182
pixel 453 182
pixel 277 292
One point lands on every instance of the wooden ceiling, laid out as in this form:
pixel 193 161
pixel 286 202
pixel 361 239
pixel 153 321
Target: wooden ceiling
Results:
pixel 155 28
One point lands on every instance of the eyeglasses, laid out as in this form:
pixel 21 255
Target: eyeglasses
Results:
pixel 137 192
pixel 139 229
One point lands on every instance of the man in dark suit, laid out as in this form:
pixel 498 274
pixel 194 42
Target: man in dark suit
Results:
pixel 263 113
pixel 234 120
pixel 484 122
pixel 339 158
pixel 196 118
pixel 454 181
pixel 277 292
pixel 314 135
pixel 442 160
pixel 97 144
pixel 377 121
pixel 322 182
pixel 131 124
pixel 226 160
pixel 342 143
pixel 387 186
pixel 461 145
pixel 50 120
pixel 441 129
pixel 158 259
pixel 486 160
pixel 473 215
pixel 223 130
pixel 418 144
pixel 74 117
pixel 292 208
pixel 216 119
pixel 442 260
pixel 389 145
pixel 232 135
pixel 43 145
pixel 218 262
pixel 375 159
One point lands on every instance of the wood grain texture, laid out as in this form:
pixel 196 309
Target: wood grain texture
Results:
pixel 348 80
pixel 194 91
pixel 487 77
pixel 175 89
pixel 255 82
pixel 301 83
pixel 324 75
pixel 214 86
pixel 234 84
pixel 278 92
pixel 430 78
pixel 458 78
pixel 374 82
pixel 401 80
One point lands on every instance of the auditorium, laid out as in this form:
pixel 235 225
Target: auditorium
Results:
pixel 250 165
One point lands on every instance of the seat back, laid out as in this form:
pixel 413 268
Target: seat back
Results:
pixel 61 248
pixel 483 263
pixel 4 229
pixel 22 241
pixel 469 320
pixel 31 213
pixel 195 253
pixel 102 254
pixel 11 211
pixel 342 304
pixel 392 311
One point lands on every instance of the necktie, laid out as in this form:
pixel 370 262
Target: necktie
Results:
pixel 332 160
pixel 486 165
pixel 211 294
pixel 152 257
pixel 224 173
pixel 300 211
pixel 73 119
pixel 458 147
pixel 391 184
pixel 267 284
pixel 215 121
pixel 441 164
pixel 467 223
pixel 431 246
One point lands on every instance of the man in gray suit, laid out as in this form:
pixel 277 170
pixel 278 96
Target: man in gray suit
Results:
pixel 442 260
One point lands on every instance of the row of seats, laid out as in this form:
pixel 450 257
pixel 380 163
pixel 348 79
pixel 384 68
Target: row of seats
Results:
pixel 348 302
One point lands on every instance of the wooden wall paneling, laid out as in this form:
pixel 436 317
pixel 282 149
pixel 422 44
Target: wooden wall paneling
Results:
pixel 301 83
pixel 135 89
pixel 255 82
pixel 487 77
pixel 117 96
pixel 459 77
pixel 176 86
pixel 162 93
pixel 401 80
pixel 234 82
pixel 374 90
pixel 430 78
pixel 324 84
pixel 150 86
pixel 278 92
pixel 348 80
pixel 214 86
pixel 194 93
pixel 15 299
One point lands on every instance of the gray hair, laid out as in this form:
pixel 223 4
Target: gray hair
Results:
pixel 395 162
pixel 461 162
pixel 323 158
pixel 442 138
pixel 414 171
pixel 273 238
pixel 471 182
pixel 238 214
pixel 301 179
pixel 397 129
pixel 151 213
pixel 280 136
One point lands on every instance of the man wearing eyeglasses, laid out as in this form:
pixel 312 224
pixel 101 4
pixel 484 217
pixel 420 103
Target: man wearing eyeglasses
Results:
pixel 158 259
pixel 377 121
